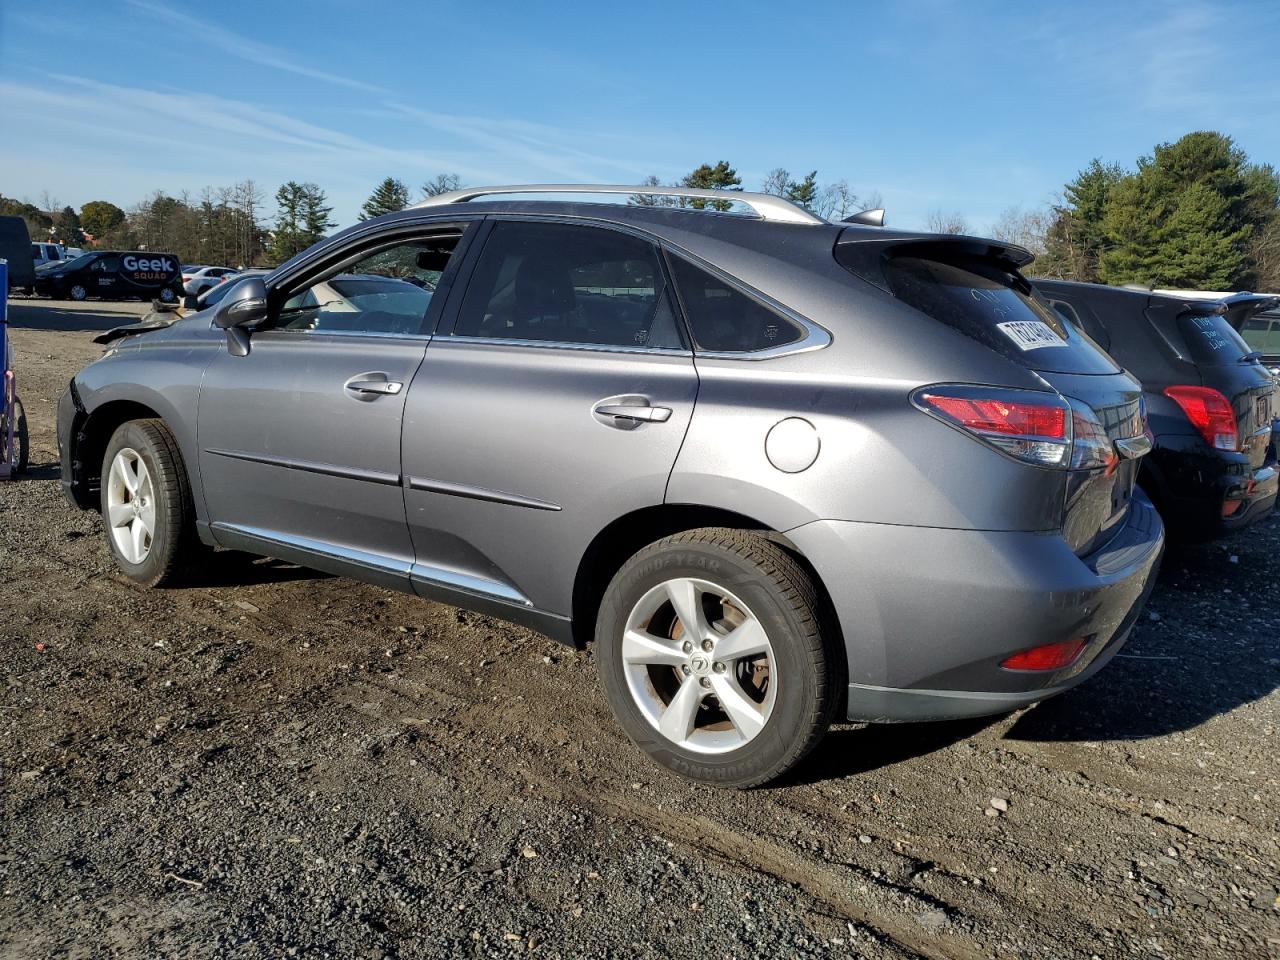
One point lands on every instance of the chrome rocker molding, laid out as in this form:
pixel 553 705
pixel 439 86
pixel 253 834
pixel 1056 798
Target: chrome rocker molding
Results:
pixel 765 206
pixel 433 583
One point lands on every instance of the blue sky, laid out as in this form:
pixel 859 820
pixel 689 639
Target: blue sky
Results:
pixel 970 107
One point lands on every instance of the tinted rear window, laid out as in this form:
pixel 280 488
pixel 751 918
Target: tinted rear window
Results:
pixel 995 306
pixel 1211 339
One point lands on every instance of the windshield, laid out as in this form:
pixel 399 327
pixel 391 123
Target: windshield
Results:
pixel 81 261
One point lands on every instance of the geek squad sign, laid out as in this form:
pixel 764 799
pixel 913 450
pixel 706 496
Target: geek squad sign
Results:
pixel 143 269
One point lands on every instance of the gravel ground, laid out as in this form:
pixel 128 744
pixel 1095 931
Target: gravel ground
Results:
pixel 273 762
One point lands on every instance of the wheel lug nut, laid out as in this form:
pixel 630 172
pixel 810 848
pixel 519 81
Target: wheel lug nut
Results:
pixel 719 667
pixel 684 668
pixel 687 647
pixel 704 681
pixel 707 645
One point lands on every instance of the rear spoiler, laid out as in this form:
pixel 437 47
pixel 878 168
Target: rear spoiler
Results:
pixel 864 250
pixel 1237 308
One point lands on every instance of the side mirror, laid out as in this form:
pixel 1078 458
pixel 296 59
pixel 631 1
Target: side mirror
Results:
pixel 242 307
pixel 190 303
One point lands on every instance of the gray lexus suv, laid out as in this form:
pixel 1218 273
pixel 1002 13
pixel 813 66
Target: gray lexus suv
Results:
pixel 779 470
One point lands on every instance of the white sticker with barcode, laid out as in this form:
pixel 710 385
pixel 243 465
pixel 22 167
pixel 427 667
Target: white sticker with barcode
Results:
pixel 1031 334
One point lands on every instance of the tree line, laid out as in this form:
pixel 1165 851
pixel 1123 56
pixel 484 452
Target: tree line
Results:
pixel 1193 214
pixel 1196 213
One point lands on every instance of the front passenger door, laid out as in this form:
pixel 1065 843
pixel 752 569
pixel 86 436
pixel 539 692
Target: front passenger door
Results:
pixel 300 439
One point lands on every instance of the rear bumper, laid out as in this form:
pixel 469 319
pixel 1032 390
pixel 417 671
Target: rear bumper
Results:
pixel 929 614
pixel 1195 485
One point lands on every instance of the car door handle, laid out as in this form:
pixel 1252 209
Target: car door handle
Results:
pixel 638 412
pixel 368 387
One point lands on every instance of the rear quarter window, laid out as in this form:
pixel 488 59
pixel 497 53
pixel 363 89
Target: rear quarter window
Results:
pixel 1212 339
pixel 723 319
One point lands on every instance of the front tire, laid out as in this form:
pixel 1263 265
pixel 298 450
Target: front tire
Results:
pixel 146 503
pixel 77 292
pixel 715 654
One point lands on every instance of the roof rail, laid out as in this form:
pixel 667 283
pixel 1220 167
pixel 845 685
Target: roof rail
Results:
pixel 764 205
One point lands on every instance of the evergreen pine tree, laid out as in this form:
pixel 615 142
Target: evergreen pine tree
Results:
pixel 718 177
pixel 67 227
pixel 389 196
pixel 1186 217
pixel 804 192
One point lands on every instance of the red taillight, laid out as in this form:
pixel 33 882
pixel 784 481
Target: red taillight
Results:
pixel 1051 656
pixel 1014 418
pixel 1210 413
pixel 1031 426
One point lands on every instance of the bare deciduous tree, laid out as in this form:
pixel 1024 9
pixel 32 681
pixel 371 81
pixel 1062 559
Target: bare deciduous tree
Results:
pixel 776 182
pixel 836 201
pixel 1026 228
pixel 941 221
pixel 441 183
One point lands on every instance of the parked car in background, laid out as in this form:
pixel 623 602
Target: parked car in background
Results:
pixel 72 252
pixel 43 254
pixel 203 278
pixel 15 248
pixel 772 467
pixel 1262 333
pixel 113 275
pixel 1210 402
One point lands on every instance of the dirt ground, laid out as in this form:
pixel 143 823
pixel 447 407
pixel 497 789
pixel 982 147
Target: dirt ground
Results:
pixel 273 762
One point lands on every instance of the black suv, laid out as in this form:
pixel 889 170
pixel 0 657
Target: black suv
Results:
pixel 1210 401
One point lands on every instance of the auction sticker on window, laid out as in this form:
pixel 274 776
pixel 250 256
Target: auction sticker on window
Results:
pixel 1031 334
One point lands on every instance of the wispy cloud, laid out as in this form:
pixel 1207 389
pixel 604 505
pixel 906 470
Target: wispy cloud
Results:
pixel 524 144
pixel 247 48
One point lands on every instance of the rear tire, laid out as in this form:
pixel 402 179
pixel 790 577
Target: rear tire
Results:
pixel 144 482
pixel 697 706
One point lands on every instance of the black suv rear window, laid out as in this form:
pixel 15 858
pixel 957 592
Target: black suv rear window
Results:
pixel 1211 338
pixel 995 306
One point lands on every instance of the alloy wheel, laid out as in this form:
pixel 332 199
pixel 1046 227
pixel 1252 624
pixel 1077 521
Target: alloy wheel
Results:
pixel 699 665
pixel 131 505
pixel 78 292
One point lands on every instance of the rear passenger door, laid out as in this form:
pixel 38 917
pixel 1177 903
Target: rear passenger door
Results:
pixel 555 402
